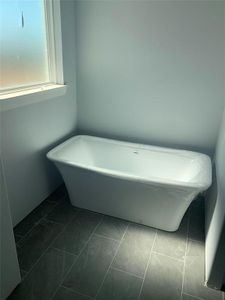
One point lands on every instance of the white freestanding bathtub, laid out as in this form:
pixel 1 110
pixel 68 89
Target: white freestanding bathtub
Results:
pixel 145 184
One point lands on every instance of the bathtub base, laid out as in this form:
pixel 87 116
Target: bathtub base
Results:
pixel 161 207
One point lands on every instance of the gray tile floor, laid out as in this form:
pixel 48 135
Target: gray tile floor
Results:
pixel 68 253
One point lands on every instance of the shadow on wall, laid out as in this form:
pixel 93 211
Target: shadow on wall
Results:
pixel 48 166
pixel 31 177
pixel 210 203
pixel 213 276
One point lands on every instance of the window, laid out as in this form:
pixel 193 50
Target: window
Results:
pixel 30 41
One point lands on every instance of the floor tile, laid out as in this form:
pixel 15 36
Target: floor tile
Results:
pixel 34 217
pixel 66 294
pixel 112 227
pixel 58 194
pixel 172 243
pixel 36 243
pixel 188 297
pixel 77 232
pixel 163 279
pixel 42 281
pixel 17 237
pixel 23 273
pixel 197 220
pixel 134 250
pixel 63 213
pixel 194 273
pixel 89 270
pixel 48 268
pixel 120 286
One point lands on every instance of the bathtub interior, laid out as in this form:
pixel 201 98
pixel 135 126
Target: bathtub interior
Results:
pixel 134 161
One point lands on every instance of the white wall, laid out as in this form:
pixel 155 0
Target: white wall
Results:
pixel 28 132
pixel 9 266
pixel 215 218
pixel 151 71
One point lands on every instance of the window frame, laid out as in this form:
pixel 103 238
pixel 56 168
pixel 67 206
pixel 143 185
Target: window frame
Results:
pixel 54 41
pixel 54 50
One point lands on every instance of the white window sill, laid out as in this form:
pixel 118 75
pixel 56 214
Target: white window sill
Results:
pixel 37 94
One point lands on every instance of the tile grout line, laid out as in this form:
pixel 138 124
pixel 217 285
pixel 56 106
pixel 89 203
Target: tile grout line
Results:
pixel 148 262
pixel 197 241
pixel 25 274
pixel 19 236
pixel 107 237
pixel 45 251
pixel 71 290
pixel 28 232
pixel 101 221
pixel 126 272
pixel 23 237
pixel 172 257
pixel 54 204
pixel 75 260
pixel 49 220
pixel 119 244
pixel 185 254
pixel 194 297
pixel 64 251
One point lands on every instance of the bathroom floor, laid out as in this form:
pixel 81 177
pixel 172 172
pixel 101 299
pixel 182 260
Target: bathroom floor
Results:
pixel 68 253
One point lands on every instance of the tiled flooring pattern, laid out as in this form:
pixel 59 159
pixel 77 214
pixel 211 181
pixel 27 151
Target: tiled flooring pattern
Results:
pixel 67 253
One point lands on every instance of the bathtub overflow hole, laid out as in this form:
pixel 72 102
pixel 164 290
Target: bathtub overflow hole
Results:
pixel 135 152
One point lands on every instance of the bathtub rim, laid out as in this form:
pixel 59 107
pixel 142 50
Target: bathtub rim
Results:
pixel 198 185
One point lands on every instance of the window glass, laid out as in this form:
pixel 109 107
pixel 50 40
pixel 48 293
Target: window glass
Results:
pixel 23 41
